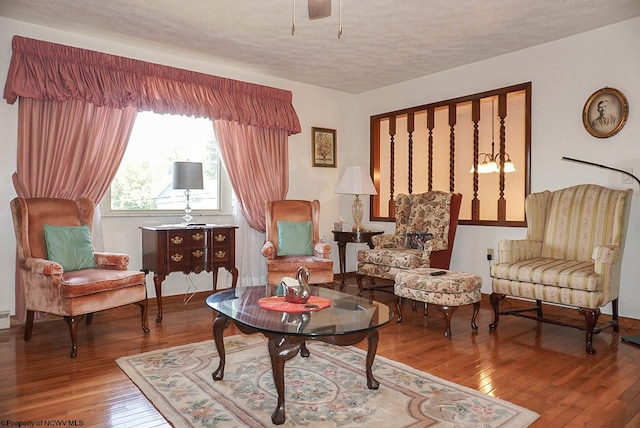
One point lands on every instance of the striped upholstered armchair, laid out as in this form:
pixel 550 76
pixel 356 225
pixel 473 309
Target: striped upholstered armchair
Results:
pixel 571 256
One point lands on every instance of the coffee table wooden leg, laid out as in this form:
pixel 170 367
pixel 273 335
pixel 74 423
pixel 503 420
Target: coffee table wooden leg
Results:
pixel 219 324
pixel 280 350
pixel 304 351
pixel 372 338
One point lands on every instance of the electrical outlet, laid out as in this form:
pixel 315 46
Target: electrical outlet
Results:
pixel 625 178
pixel 489 254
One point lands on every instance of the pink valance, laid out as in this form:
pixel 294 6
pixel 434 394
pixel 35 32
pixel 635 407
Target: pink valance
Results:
pixel 44 70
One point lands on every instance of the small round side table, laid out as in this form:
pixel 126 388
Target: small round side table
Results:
pixel 344 237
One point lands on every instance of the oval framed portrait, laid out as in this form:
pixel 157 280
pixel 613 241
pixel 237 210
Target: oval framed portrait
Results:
pixel 605 112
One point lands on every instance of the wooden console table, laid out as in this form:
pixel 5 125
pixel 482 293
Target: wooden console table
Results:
pixel 194 248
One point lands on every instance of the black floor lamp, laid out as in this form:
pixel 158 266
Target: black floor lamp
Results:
pixel 630 339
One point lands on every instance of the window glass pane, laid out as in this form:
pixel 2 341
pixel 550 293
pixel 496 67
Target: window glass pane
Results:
pixel 145 176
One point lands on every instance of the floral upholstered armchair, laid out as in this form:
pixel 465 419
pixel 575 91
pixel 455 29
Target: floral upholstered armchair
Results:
pixel 425 230
pixel 571 256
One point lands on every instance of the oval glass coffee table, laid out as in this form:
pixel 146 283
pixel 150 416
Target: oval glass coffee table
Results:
pixel 346 321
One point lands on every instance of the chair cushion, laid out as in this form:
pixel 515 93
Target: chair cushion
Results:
pixel 70 246
pixel 294 238
pixel 571 274
pixel 395 257
pixel 90 281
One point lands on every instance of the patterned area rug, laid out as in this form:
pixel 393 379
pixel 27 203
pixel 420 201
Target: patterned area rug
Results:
pixel 327 389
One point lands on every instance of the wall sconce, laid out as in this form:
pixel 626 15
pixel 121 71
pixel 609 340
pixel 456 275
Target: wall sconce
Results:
pixel 356 181
pixel 188 176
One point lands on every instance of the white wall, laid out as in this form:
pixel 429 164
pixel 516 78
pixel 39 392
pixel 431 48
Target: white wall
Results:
pixel 564 74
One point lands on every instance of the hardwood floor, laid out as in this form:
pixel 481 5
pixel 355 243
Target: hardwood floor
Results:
pixel 542 367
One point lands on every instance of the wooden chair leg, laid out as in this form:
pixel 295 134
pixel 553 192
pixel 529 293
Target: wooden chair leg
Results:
pixel 72 322
pixel 476 309
pixel 359 281
pixel 448 313
pixel 614 316
pixel 495 302
pixel 591 319
pixel 28 328
pixel 399 306
pixel 143 314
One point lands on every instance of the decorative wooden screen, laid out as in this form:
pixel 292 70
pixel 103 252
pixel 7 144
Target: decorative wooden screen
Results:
pixel 442 146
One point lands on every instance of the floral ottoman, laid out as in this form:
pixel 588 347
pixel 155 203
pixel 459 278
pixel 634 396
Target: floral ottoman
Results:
pixel 443 288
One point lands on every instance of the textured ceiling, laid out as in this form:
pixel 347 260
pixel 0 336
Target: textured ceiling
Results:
pixel 383 41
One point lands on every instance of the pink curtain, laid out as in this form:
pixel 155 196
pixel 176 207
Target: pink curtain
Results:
pixel 64 155
pixel 44 70
pixel 257 163
pixel 68 150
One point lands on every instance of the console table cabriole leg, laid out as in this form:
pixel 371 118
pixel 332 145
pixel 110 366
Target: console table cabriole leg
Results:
pixel 280 350
pixel 157 280
pixel 219 324
pixel 214 273
pixel 372 338
pixel 234 276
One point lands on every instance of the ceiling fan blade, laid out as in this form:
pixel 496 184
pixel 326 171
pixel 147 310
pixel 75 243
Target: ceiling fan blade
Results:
pixel 319 9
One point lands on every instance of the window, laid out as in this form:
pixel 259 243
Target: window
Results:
pixel 143 183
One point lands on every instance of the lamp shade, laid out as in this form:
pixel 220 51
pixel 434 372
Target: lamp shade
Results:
pixel 356 181
pixel 187 175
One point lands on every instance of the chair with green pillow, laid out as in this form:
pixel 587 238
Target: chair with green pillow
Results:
pixel 293 240
pixel 425 230
pixel 60 272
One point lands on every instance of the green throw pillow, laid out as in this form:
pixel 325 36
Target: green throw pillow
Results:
pixel 70 246
pixel 294 238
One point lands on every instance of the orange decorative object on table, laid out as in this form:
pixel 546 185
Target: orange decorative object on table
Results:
pixel 277 303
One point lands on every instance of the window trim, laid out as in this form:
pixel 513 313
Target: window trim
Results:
pixel 226 203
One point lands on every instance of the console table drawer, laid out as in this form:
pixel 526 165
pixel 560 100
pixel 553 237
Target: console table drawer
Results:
pixel 222 238
pixel 189 257
pixel 186 239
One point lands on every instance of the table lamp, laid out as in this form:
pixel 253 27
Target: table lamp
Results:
pixel 187 175
pixel 356 181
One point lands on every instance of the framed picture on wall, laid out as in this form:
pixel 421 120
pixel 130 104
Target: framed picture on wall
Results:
pixel 605 112
pixel 323 147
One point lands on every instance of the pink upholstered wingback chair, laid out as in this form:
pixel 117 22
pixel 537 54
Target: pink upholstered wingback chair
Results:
pixel 282 258
pixel 69 294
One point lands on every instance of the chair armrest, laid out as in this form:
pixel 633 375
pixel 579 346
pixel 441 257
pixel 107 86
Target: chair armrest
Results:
pixel 42 266
pixel 604 257
pixel 269 250
pixel 114 261
pixel 387 240
pixel 514 250
pixel 322 250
